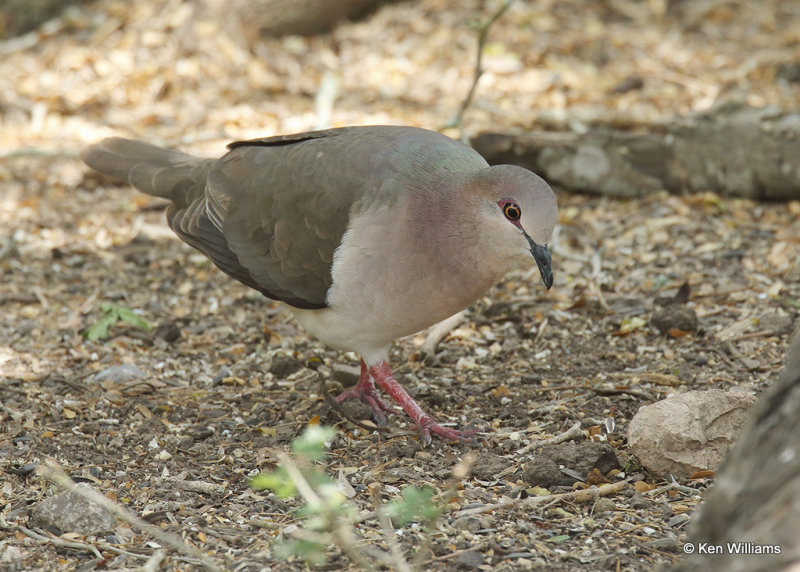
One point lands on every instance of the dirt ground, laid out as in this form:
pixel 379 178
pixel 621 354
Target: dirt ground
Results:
pixel 229 379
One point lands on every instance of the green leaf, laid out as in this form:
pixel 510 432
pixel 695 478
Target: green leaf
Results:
pixel 312 443
pixel 277 481
pixel 417 505
pixel 129 317
pixel 559 538
pixel 111 315
pixel 309 550
pixel 99 330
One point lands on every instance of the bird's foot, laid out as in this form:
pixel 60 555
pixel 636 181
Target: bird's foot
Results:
pixel 426 427
pixel 425 424
pixel 365 392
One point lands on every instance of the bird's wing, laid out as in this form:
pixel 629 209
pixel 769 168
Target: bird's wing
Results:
pixel 275 210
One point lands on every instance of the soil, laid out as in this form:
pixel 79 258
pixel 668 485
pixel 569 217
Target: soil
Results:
pixel 229 380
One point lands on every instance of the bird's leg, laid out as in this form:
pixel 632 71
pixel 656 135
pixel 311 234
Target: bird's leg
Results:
pixel 365 391
pixel 382 374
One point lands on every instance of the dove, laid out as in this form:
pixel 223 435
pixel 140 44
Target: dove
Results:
pixel 367 233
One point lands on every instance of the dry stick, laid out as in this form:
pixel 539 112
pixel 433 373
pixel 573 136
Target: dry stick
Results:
pixel 483 28
pixel 584 495
pixel 673 487
pixel 398 560
pixel 53 471
pixel 573 432
pixel 59 542
pixel 154 562
pixel 540 333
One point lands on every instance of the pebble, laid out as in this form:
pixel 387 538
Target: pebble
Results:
pixel 119 374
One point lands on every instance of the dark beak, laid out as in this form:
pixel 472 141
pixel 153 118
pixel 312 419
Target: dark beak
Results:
pixel 542 257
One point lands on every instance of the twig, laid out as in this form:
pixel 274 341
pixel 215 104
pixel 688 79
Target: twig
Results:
pixel 585 495
pixel 573 432
pixel 60 542
pixel 673 487
pixel 474 548
pixel 154 562
pixel 751 335
pixel 540 333
pixel 398 560
pixel 640 393
pixel 194 486
pixel 52 470
pixel 483 32
pixel 325 98
pixel 342 531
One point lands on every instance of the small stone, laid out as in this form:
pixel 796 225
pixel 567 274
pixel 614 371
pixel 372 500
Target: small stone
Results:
pixel 345 374
pixel 470 523
pixel 638 501
pixel 119 374
pixel 778 322
pixel 675 317
pixel 604 504
pixel 221 375
pixel 168 331
pixel 678 520
pixel 284 365
pixel 71 512
pixel 469 561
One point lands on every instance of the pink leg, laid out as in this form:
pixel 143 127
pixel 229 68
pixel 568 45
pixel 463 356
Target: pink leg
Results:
pixel 365 391
pixel 426 426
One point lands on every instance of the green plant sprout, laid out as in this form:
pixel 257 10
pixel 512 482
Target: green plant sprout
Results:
pixel 328 518
pixel 111 315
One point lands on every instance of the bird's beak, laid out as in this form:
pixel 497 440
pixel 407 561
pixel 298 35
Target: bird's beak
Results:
pixel 542 257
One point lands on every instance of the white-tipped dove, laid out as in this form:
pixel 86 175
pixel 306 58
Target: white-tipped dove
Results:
pixel 368 233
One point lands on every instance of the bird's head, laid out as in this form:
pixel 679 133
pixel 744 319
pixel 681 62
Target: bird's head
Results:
pixel 519 211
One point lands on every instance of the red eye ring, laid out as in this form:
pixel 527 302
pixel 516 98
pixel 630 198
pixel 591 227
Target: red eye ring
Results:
pixel 511 210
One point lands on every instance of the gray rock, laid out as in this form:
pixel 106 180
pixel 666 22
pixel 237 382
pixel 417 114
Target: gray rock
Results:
pixel 469 561
pixel 689 432
pixel 778 322
pixel 119 374
pixel 470 523
pixel 638 501
pixel 71 512
pixel 284 365
pixel 345 374
pixel 604 504
pixel 675 317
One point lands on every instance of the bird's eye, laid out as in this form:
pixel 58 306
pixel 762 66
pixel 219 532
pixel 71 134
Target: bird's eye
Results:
pixel 512 211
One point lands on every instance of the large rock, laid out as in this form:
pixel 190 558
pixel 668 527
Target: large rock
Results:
pixel 72 512
pixel 689 432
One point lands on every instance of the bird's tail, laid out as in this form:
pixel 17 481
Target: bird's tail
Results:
pixel 153 170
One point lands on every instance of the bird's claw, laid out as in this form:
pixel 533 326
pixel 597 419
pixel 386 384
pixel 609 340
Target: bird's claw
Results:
pixel 428 427
pixel 369 396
